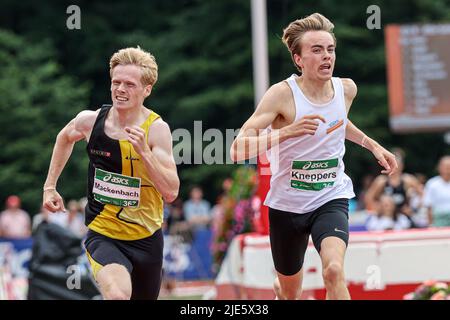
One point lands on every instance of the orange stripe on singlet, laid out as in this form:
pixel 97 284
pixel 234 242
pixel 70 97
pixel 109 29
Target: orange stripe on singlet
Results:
pixel 337 125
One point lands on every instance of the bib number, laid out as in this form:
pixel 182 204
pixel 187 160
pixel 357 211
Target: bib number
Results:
pixel 116 189
pixel 314 175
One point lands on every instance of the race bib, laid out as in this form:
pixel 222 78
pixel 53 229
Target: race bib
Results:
pixel 314 175
pixel 116 189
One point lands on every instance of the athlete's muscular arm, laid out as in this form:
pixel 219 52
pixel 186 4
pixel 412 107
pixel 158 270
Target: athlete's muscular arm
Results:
pixel 77 129
pixel 385 158
pixel 157 156
pixel 252 140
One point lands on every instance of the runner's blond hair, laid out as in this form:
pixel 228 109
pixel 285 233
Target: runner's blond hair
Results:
pixel 136 56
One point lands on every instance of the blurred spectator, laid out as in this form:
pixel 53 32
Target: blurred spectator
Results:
pixel 197 210
pixel 421 178
pixel 398 185
pixel 226 186
pixel 72 219
pixel 178 232
pixel 82 204
pixel 437 195
pixel 166 213
pixel 41 216
pixel 176 223
pixel 387 217
pixel 416 199
pixel 75 219
pixel 420 216
pixel 217 213
pixel 366 183
pixel 14 222
pixel 217 210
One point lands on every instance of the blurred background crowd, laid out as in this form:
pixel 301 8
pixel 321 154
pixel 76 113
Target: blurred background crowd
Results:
pixel 400 201
pixel 193 226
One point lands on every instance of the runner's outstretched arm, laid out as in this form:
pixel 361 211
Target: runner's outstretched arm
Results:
pixel 385 158
pixel 74 131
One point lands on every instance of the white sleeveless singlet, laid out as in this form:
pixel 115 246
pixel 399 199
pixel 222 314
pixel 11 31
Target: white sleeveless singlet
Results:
pixel 308 171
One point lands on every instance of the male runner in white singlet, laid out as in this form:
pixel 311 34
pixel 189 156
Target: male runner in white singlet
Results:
pixel 309 190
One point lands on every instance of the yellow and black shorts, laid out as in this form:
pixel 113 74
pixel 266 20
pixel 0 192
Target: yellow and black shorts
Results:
pixel 142 258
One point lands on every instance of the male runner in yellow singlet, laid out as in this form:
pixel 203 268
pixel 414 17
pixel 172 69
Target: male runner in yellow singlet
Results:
pixel 131 172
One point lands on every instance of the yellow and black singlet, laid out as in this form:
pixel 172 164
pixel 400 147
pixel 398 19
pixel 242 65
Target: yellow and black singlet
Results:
pixel 123 203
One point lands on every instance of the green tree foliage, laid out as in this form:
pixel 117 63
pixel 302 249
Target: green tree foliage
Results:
pixel 37 101
pixel 203 49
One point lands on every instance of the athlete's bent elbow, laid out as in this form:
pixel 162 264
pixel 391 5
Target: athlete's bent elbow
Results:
pixel 170 197
pixel 63 137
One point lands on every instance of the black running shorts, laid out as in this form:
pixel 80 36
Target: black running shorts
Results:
pixel 289 232
pixel 142 258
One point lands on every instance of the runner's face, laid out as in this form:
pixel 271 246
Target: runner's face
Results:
pixel 127 90
pixel 317 55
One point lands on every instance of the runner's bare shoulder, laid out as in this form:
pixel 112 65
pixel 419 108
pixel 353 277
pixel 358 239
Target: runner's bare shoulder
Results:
pixel 159 129
pixel 350 88
pixel 281 92
pixel 85 120
pixel 274 99
pixel 281 99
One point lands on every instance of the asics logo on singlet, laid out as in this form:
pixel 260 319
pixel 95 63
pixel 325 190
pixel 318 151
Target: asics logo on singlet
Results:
pixel 318 165
pixel 118 180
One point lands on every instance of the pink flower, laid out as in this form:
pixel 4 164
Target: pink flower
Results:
pixel 409 296
pixel 440 295
pixel 429 283
pixel 441 285
pixel 422 287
